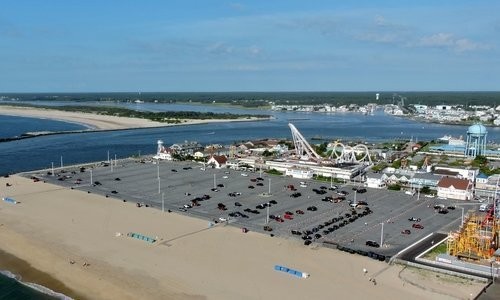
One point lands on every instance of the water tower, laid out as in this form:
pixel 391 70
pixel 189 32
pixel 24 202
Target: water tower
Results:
pixel 476 141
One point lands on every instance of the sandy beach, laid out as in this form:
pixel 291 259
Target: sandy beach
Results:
pixel 79 239
pixel 101 122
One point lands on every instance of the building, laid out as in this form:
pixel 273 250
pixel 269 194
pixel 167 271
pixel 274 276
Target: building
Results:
pixel 217 161
pixel 299 172
pixel 468 173
pixel 187 147
pixel 375 180
pixel 163 153
pixel 421 180
pixel 455 188
pixel 476 141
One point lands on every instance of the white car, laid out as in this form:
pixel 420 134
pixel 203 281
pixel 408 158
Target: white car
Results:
pixel 429 196
pixel 244 174
pixel 225 177
pixel 222 219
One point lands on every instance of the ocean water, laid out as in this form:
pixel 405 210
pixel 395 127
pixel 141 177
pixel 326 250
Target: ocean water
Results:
pixel 11 288
pixel 42 152
pixel 16 126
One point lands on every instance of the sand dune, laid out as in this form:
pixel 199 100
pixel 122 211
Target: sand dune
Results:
pixel 52 226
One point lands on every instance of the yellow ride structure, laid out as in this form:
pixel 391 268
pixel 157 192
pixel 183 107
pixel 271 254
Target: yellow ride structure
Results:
pixel 477 238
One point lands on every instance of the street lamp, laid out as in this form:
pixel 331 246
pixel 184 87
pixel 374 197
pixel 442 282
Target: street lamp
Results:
pixel 91 181
pixel 53 169
pixel 159 185
pixel 382 234
pixel 267 215
pixel 269 186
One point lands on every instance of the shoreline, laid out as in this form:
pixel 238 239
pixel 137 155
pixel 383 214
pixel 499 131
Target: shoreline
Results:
pixel 96 122
pixel 189 260
pixel 28 275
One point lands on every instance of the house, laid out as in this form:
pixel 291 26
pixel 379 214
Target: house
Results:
pixel 217 161
pixel 187 147
pixel 164 153
pixel 486 186
pixel 468 173
pixel 375 180
pixel 421 180
pixel 455 188
pixel 198 155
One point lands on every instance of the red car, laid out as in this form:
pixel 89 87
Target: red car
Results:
pixel 289 217
pixel 417 226
pixel 279 220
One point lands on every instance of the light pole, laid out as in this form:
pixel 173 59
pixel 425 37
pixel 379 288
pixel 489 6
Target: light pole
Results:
pixel 108 156
pixel 53 169
pixel 61 162
pixel 158 169
pixel 267 214
pixel 215 183
pixel 116 164
pixel 355 193
pixel 382 234
pixel 159 185
pixel 91 181
pixel 269 186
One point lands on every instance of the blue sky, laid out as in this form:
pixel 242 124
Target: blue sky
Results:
pixel 293 45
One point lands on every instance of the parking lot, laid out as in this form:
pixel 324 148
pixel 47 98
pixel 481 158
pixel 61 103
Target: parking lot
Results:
pixel 246 198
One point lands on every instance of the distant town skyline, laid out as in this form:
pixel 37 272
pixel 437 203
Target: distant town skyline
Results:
pixel 219 46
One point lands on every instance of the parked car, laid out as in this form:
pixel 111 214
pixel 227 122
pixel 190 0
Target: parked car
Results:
pixel 417 226
pixel 406 231
pixel 413 219
pixel 372 244
pixel 237 204
pixel 299 212
pixel 443 211
pixel 312 208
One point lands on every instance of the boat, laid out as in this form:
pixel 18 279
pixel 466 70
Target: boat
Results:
pixel 445 138
pixel 213 132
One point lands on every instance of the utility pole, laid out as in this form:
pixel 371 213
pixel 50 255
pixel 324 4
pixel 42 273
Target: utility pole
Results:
pixel 382 234
pixel 53 169
pixel 163 202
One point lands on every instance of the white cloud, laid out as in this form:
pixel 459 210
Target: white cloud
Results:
pixel 449 41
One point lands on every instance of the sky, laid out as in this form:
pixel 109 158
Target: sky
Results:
pixel 254 45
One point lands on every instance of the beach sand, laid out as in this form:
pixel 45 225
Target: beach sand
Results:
pixel 51 226
pixel 102 122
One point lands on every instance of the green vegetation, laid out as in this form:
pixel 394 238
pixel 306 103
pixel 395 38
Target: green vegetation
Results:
pixel 481 162
pixel 164 117
pixel 321 148
pixel 274 172
pixel 379 167
pixel 394 187
pixel 440 249
pixel 262 99
pixel 396 164
pixel 426 190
